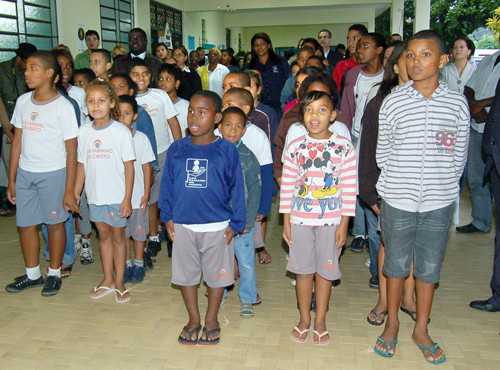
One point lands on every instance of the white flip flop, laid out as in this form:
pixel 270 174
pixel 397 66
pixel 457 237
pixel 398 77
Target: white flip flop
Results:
pixel 300 334
pixel 107 290
pixel 121 295
pixel 321 336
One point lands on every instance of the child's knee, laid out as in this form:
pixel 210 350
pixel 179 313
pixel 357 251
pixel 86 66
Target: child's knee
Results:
pixel 55 228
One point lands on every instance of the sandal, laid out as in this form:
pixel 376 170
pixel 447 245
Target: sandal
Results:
pixel 66 272
pixel 258 301
pixel 121 296
pixel 206 341
pixel 246 310
pixel 106 291
pixel 189 341
pixel 411 313
pixel 265 258
pixel 301 332
pixel 377 316
pixel 385 353
pixel 432 351
pixel 321 336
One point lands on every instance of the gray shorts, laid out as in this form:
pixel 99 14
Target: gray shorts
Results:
pixel 39 197
pixel 313 251
pixel 197 252
pixel 420 237
pixel 109 214
pixel 258 240
pixel 155 187
pixel 137 226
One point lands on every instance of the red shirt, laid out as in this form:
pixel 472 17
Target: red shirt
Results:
pixel 341 68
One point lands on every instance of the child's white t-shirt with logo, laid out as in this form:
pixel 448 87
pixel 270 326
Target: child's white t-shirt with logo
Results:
pixel 143 154
pixel 46 126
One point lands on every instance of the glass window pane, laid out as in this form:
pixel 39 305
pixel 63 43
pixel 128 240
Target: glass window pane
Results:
pixel 125 6
pixel 108 35
pixel 107 13
pixel 37 28
pixel 35 12
pixel 125 17
pixel 124 37
pixel 108 45
pixel 7 55
pixel 8 25
pixel 38 2
pixel 44 43
pixel 110 3
pixel 9 42
pixel 108 24
pixel 125 27
pixel 7 8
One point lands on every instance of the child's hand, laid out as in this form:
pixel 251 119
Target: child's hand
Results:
pixel 144 204
pixel 11 193
pixel 340 237
pixel 376 209
pixel 243 232
pixel 229 235
pixel 170 229
pixel 70 203
pixel 125 208
pixel 287 233
pixel 260 218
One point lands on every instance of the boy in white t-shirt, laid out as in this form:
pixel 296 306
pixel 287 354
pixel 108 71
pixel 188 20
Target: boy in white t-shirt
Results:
pixel 137 224
pixel 164 116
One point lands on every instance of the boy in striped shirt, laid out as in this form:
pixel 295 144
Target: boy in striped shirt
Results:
pixel 421 152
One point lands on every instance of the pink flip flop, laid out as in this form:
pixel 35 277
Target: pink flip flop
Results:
pixel 301 332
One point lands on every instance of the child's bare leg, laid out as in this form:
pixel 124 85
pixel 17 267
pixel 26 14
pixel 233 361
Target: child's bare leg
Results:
pixel 77 226
pixel 153 219
pixel 408 301
pixel 30 245
pixel 425 295
pixel 304 296
pixel 106 248
pixel 119 259
pixel 57 243
pixel 323 289
pixel 138 250
pixel 190 297
pixel 211 318
pixel 263 253
pixel 394 293
pixel 382 289
pixel 127 249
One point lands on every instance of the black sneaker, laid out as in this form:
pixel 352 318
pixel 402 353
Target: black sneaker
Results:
pixel 148 260
pixel 373 283
pixel 154 247
pixel 52 286
pixel 357 245
pixel 22 282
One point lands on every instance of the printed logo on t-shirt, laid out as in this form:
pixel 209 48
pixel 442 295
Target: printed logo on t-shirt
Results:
pixel 196 173
pixel 31 124
pixel 153 112
pixel 97 143
pixel 98 151
pixel 276 69
pixel 445 141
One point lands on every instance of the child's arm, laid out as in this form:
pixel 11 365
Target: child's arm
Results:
pixel 79 181
pixel 287 229
pixel 166 196
pixel 173 123
pixel 69 200
pixel 385 139
pixel 146 169
pixel 461 142
pixel 15 153
pixel 290 176
pixel 126 206
pixel 341 233
pixel 236 185
pixel 253 184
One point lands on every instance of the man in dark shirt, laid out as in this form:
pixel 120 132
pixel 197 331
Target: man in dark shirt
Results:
pixel 333 57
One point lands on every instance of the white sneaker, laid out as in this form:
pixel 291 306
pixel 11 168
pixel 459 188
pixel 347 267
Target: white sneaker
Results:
pixel 78 242
pixel 294 282
pixel 287 256
pixel 86 256
pixel 368 262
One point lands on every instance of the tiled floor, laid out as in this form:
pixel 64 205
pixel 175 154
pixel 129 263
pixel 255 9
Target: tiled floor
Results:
pixel 72 331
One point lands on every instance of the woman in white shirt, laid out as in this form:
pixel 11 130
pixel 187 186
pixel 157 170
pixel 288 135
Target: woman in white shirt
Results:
pixel 457 74
pixel 213 75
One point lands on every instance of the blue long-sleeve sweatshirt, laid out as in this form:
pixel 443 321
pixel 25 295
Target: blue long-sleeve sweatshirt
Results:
pixel 144 124
pixel 201 182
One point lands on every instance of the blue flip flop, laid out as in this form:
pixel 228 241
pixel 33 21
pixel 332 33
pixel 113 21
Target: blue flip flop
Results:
pixel 385 353
pixel 442 360
pixel 377 315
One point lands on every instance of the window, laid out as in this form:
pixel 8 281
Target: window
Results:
pixel 32 21
pixel 161 16
pixel 117 19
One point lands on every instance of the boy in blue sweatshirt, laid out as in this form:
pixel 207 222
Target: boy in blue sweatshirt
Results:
pixel 202 203
pixel 232 129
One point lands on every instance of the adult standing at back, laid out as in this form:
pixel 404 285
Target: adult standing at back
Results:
pixel 92 40
pixel 274 70
pixel 333 57
pixel 212 75
pixel 137 44
pixel 457 74
pixel 191 82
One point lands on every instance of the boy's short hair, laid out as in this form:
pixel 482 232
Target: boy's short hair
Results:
pixel 306 48
pixel 127 99
pixel 131 84
pixel 311 40
pixel 313 57
pixel 92 33
pixel 173 70
pixel 244 96
pixel 234 110
pixel 136 62
pixel 106 55
pixel 312 97
pixel 323 78
pixel 360 28
pixel 243 77
pixel 430 35
pixel 214 97
pixel 340 47
pixel 87 72
pixel 140 30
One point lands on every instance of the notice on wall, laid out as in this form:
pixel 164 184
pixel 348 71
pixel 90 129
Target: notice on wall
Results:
pixel 81 37
pixel 191 43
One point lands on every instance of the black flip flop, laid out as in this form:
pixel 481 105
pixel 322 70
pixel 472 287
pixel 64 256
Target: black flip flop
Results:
pixel 377 315
pixel 207 342
pixel 66 269
pixel 411 313
pixel 189 342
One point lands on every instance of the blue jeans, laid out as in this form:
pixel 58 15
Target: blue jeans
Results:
pixel 480 195
pixel 245 253
pixel 373 237
pixel 69 249
pixel 358 222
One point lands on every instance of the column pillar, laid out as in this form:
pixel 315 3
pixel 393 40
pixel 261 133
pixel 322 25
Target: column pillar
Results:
pixel 397 16
pixel 422 15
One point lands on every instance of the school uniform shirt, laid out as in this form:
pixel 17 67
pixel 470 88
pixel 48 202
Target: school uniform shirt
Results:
pixel 318 184
pixel 422 148
pixel 160 108
pixel 143 154
pixel 79 95
pixel 484 82
pixel 102 151
pixel 203 184
pixel 274 76
pixel 181 106
pixel 46 126
pixel 449 74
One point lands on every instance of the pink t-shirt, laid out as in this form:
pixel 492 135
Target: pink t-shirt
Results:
pixel 291 104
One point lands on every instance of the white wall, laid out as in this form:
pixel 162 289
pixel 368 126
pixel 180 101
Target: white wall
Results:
pixel 214 27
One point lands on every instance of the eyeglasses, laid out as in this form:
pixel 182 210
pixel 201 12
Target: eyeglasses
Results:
pixel 323 37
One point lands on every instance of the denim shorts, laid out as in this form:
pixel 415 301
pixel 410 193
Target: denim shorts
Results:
pixel 109 214
pixel 420 237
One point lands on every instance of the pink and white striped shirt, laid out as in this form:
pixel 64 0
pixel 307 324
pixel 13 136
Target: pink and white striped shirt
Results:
pixel 318 185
